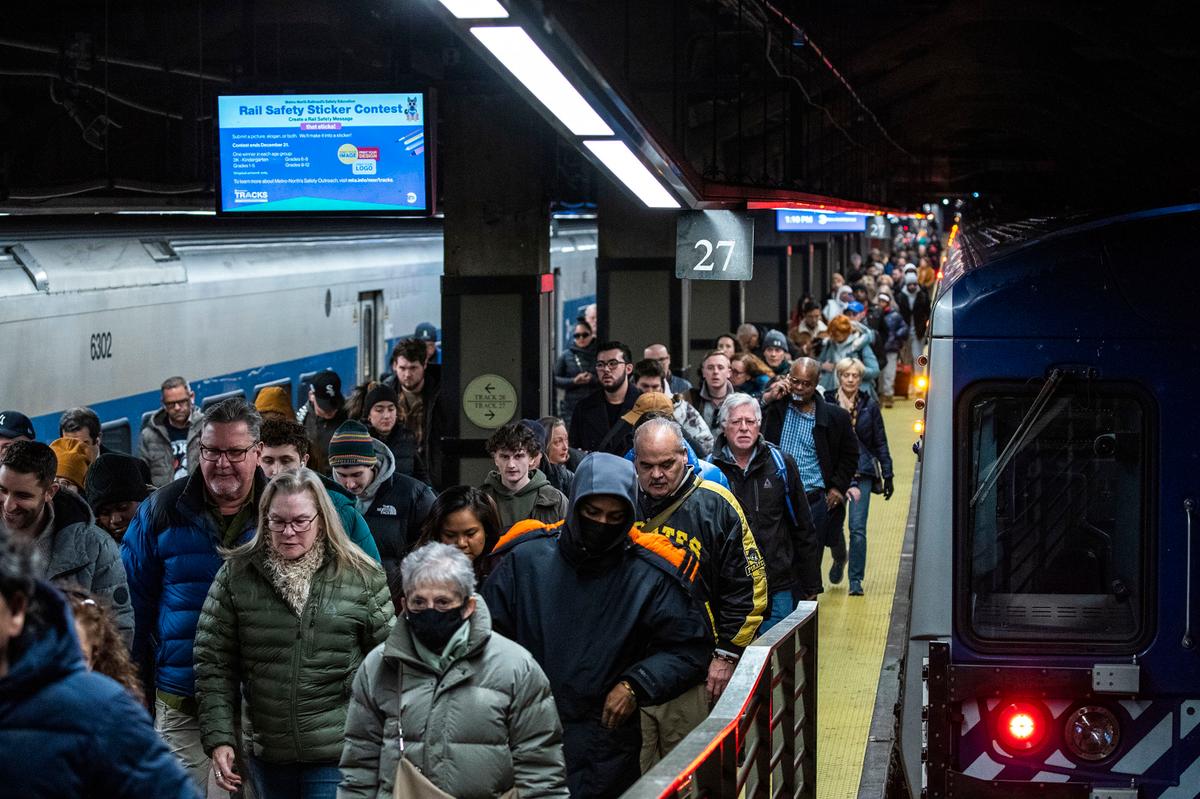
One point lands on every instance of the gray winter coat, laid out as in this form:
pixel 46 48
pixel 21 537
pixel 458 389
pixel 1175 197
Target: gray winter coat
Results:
pixel 484 725
pixel 73 551
pixel 154 446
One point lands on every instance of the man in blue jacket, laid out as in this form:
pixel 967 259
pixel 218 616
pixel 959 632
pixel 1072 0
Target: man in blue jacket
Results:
pixel 65 731
pixel 604 610
pixel 170 551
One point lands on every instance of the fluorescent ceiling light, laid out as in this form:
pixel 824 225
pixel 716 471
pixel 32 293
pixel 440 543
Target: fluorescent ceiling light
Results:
pixel 621 161
pixel 475 9
pixel 528 64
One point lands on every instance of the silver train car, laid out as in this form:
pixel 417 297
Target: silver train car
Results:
pixel 98 312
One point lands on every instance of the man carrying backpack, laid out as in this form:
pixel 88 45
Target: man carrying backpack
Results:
pixel 767 484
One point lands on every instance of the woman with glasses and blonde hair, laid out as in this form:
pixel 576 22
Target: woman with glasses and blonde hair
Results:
pixel 289 618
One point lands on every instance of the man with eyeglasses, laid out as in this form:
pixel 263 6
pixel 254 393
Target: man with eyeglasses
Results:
pixel 171 552
pixel 170 439
pixel 597 413
pixel 819 436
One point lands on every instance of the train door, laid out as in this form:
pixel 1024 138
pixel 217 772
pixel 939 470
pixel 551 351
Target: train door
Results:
pixel 370 336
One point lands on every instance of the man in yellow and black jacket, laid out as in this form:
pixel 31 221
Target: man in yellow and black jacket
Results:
pixel 721 562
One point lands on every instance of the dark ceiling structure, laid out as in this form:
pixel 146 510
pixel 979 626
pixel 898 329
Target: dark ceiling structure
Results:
pixel 1037 107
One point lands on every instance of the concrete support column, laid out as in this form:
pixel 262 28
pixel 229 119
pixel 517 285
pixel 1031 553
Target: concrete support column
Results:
pixel 639 301
pixel 496 304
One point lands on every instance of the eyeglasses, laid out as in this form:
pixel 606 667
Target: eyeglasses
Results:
pixel 799 381
pixel 300 524
pixel 581 335
pixel 176 403
pixel 232 455
pixel 613 364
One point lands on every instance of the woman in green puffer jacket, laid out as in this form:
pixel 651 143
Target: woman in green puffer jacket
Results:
pixel 289 618
pixel 448 699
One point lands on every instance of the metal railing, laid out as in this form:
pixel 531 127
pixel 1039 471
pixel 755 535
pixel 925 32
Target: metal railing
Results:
pixel 760 740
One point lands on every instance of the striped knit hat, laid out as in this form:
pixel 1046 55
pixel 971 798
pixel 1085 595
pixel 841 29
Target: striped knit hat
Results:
pixel 351 446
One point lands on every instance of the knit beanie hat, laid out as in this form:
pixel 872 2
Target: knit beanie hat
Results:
pixel 115 478
pixel 275 399
pixel 538 430
pixel 351 445
pixel 73 459
pixel 380 393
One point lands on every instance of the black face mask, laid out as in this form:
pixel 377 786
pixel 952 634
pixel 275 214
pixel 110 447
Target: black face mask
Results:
pixel 435 628
pixel 597 536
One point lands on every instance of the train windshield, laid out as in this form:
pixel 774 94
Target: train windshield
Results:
pixel 1058 534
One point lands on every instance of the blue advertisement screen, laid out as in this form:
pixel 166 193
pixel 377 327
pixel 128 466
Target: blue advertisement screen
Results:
pixel 327 152
pixel 787 220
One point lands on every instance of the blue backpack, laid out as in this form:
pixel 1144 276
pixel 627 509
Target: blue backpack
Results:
pixel 781 473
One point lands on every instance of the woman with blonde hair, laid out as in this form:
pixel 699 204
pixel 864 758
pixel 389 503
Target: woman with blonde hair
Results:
pixel 289 618
pixel 873 474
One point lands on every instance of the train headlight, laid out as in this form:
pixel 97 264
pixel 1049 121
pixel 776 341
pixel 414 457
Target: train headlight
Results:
pixel 1020 727
pixel 1092 733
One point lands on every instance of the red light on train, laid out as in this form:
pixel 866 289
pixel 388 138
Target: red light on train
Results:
pixel 1020 727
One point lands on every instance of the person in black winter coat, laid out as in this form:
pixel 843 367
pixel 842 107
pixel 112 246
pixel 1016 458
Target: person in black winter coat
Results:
pixel 874 470
pixel 819 436
pixel 381 416
pixel 394 505
pixel 575 370
pixel 776 508
pixel 66 731
pixel 603 611
pixel 600 411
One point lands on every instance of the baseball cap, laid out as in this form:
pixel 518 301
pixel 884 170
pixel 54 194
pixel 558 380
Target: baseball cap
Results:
pixel 775 339
pixel 854 307
pixel 14 424
pixel 327 390
pixel 426 332
pixel 650 401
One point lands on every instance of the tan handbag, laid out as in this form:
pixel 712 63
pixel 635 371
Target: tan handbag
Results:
pixel 410 782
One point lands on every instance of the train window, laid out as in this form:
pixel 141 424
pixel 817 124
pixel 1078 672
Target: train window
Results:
pixel 1058 530
pixel 224 395
pixel 116 436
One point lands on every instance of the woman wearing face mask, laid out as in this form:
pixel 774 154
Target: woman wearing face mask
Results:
pixel 446 700
pixel 465 518
pixel 288 619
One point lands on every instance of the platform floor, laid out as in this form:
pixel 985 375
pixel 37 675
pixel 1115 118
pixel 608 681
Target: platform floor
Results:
pixel 853 630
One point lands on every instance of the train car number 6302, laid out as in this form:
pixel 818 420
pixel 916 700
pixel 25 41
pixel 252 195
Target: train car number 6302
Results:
pixel 101 346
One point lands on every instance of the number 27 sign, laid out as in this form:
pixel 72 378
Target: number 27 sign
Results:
pixel 714 245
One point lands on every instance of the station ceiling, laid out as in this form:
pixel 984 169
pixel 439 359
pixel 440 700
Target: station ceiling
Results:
pixel 1036 106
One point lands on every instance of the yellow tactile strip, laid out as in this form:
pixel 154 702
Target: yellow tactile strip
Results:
pixel 853 630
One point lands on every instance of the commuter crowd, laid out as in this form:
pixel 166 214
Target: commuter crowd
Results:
pixel 267 602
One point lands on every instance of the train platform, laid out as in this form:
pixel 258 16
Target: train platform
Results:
pixel 854 632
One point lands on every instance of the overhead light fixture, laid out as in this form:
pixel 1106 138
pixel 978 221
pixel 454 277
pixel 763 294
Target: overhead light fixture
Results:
pixel 513 48
pixel 475 9
pixel 628 169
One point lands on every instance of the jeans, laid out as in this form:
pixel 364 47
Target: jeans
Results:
pixel 887 377
pixel 782 604
pixel 858 529
pixel 294 780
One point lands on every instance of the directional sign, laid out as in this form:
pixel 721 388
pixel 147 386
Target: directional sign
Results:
pixel 714 245
pixel 804 221
pixel 489 401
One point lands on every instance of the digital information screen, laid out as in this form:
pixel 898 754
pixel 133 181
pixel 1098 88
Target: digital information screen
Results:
pixel 809 221
pixel 323 153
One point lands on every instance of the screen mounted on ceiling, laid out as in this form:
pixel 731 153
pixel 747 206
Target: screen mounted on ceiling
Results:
pixel 324 153
pixel 802 221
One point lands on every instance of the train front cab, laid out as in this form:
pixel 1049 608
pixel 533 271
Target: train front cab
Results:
pixel 1052 644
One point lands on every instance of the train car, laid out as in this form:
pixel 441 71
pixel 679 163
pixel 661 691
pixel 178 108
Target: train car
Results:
pixel 1052 649
pixel 100 313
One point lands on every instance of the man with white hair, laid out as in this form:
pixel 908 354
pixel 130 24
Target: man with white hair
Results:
pixel 704 521
pixel 767 484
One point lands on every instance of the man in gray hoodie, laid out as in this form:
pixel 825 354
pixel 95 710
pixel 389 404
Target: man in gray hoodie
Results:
pixel 393 504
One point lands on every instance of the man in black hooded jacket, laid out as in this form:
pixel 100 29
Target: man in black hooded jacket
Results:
pixel 601 608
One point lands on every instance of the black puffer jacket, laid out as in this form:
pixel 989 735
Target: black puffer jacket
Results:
pixel 403 445
pixel 732 579
pixel 592 620
pixel 571 363
pixel 778 514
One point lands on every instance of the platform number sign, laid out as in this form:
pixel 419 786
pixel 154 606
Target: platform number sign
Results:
pixel 878 228
pixel 714 245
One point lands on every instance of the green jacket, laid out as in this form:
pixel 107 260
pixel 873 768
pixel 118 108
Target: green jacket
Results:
pixel 294 672
pixel 537 500
pixel 484 725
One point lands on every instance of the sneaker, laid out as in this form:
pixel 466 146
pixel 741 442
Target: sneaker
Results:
pixel 837 570
pixel 855 588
